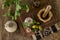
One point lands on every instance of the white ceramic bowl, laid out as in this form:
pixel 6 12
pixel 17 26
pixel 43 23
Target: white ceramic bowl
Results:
pixel 11 26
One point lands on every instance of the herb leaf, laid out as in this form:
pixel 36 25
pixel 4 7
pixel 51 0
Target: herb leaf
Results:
pixel 18 8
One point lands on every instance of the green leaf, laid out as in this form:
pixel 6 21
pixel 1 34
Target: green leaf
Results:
pixel 27 8
pixel 15 17
pixel 18 14
pixel 12 17
pixel 25 25
pixel 34 21
pixel 8 14
pixel 38 23
pixel 18 7
pixel 6 3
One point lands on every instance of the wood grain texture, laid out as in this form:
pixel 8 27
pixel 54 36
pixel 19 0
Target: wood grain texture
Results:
pixel 33 14
pixel 4 35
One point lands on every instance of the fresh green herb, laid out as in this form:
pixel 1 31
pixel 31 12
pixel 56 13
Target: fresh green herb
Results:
pixel 25 25
pixel 35 26
pixel 18 7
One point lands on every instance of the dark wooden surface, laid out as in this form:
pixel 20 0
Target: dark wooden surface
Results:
pixel 33 14
pixel 4 35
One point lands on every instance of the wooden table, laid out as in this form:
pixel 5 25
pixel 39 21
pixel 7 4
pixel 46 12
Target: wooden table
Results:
pixel 4 35
pixel 33 14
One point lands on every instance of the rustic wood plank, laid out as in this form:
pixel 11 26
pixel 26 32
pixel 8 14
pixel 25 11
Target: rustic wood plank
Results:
pixel 4 35
pixel 0 21
pixel 33 13
pixel 0 28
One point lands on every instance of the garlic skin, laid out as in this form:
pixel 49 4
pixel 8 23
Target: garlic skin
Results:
pixel 10 26
pixel 28 30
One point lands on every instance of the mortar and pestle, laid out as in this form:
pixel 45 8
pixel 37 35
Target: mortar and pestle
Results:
pixel 45 14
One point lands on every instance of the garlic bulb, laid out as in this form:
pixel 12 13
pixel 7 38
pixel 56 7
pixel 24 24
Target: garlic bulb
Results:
pixel 29 20
pixel 11 26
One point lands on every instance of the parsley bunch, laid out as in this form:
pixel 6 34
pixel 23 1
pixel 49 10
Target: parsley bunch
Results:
pixel 18 7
